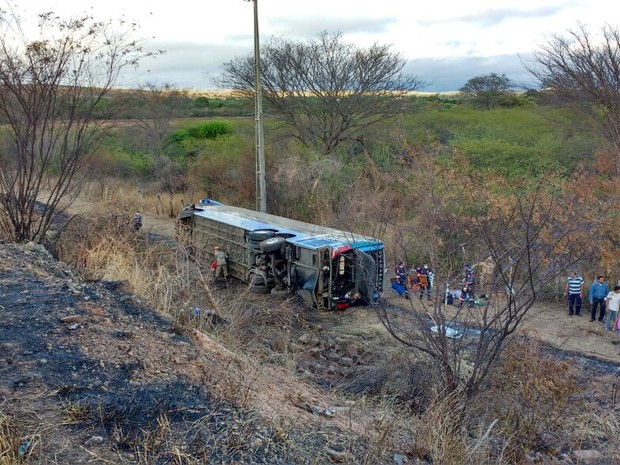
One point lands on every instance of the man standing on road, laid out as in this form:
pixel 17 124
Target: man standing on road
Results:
pixel 598 293
pixel 574 291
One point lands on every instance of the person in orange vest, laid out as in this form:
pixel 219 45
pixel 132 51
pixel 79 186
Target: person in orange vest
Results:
pixel 424 281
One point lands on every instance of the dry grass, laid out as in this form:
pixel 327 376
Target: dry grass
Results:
pixel 124 196
pixel 529 397
pixel 9 440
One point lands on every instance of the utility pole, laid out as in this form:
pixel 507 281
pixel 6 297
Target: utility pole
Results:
pixel 261 189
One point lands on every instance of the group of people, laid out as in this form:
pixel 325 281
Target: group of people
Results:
pixel 420 279
pixel 603 301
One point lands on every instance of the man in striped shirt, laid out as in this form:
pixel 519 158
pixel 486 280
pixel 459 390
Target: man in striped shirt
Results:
pixel 574 292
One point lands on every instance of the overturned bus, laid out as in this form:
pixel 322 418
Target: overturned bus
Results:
pixel 328 269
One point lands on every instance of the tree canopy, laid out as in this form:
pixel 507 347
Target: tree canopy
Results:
pixel 487 90
pixel 582 70
pixel 325 90
pixel 52 100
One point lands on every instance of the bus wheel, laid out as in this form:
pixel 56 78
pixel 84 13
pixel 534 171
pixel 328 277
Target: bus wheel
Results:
pixel 260 235
pixel 272 244
pixel 258 285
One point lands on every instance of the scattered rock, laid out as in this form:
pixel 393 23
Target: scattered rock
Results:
pixel 73 319
pixel 553 443
pixel 94 440
pixel 587 456
pixel 337 456
pixel 34 247
pixel 351 350
pixel 561 460
pixel 333 356
pixel 278 343
pixel 527 460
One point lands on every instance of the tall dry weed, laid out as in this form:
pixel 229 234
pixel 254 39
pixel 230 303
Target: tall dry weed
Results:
pixel 441 436
pixel 105 247
pixel 9 441
pixel 531 396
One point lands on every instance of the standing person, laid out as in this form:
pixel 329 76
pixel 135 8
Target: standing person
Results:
pixel 465 296
pixel 424 281
pixel 598 293
pixel 401 273
pixel 574 291
pixel 469 278
pixel 613 305
pixel 221 269
pixel 401 278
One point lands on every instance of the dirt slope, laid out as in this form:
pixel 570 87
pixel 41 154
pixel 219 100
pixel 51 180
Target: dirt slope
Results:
pixel 87 371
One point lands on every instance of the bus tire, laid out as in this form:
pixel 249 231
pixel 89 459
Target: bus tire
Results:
pixel 260 235
pixel 273 244
pixel 260 289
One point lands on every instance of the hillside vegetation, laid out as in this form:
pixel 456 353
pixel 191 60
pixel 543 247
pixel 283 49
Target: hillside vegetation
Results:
pixel 443 183
pixel 371 180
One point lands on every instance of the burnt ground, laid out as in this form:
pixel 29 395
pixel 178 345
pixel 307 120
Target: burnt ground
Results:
pixel 90 374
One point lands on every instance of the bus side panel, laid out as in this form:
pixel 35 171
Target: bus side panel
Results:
pixel 208 233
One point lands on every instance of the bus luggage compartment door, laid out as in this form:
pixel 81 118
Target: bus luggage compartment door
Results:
pixel 365 275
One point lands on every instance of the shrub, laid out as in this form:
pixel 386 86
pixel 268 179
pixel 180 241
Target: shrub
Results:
pixel 531 395
pixel 210 130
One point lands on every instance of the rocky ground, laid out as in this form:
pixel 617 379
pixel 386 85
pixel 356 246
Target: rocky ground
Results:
pixel 88 374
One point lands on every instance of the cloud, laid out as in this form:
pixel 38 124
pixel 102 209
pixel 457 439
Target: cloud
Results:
pixel 307 28
pixel 185 65
pixel 192 66
pixel 495 17
pixel 448 74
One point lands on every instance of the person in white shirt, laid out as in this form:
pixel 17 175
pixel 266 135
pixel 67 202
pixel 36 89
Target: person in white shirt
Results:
pixel 613 305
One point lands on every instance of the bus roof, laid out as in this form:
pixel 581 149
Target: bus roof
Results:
pixel 307 235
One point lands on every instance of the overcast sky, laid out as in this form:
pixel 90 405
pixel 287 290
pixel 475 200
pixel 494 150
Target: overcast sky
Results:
pixel 445 42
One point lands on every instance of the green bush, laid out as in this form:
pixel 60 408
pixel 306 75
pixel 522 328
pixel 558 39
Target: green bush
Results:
pixel 211 130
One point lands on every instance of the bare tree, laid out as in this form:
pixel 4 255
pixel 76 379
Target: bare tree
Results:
pixel 154 108
pixel 583 70
pixel 326 91
pixel 529 237
pixel 52 99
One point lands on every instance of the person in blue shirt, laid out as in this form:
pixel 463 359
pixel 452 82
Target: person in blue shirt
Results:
pixel 598 293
